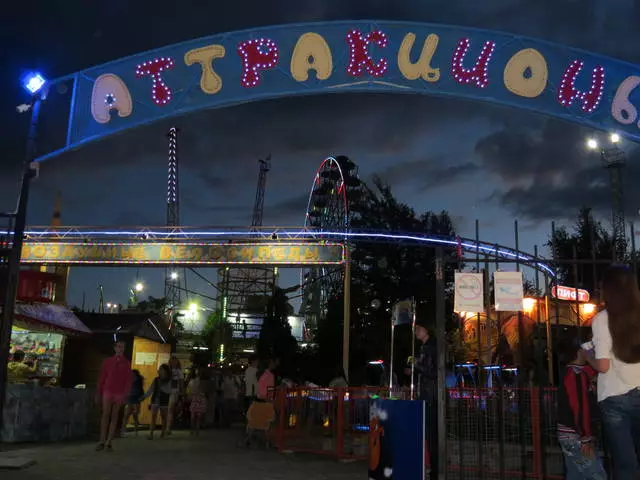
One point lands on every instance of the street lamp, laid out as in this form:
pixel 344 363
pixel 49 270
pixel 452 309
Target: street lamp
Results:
pixel 36 85
pixel 33 82
pixel 173 275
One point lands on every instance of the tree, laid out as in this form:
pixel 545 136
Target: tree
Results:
pixel 276 340
pixel 387 273
pixel 216 332
pixel 159 307
pixel 587 241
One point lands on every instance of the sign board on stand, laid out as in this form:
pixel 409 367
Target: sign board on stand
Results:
pixel 469 292
pixel 508 291
pixel 397 440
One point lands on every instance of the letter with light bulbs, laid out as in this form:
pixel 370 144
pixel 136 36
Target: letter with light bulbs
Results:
pixel 359 56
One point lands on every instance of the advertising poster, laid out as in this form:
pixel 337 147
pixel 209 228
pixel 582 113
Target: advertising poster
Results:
pixel 509 291
pixel 469 292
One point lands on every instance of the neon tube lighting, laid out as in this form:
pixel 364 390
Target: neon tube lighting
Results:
pixel 484 248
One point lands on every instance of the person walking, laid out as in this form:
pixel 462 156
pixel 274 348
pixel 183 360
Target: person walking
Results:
pixel 132 408
pixel 250 382
pixel 160 393
pixel 426 366
pixel 177 388
pixel 112 391
pixel 198 404
pixel 616 356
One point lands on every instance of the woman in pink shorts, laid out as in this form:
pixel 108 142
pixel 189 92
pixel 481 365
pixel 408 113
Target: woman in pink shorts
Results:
pixel 112 392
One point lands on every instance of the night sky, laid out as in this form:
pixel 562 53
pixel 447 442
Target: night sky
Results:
pixel 475 160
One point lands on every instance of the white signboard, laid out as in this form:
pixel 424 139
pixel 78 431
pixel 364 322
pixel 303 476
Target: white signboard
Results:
pixel 469 292
pixel 145 358
pixel 163 358
pixel 509 291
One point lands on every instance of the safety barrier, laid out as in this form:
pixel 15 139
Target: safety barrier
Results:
pixel 326 421
pixel 491 433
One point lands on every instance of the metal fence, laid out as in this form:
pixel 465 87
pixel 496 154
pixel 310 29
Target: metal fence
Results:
pixel 499 433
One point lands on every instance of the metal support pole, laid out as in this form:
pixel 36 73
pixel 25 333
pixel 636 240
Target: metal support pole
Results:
pixel 441 346
pixel 393 331
pixel 13 266
pixel 413 350
pixel 346 312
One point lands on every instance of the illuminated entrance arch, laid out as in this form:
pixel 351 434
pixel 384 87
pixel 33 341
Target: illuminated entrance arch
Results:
pixel 353 56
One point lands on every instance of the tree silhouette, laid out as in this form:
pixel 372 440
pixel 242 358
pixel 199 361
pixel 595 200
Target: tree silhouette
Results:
pixel 387 273
pixel 588 240
pixel 276 340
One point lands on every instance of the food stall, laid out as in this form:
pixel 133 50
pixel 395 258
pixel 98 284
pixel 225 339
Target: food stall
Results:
pixel 36 409
pixel 39 330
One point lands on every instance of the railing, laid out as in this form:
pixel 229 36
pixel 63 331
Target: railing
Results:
pixel 325 421
pixel 491 433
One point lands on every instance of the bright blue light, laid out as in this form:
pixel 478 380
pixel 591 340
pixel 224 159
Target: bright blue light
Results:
pixel 33 82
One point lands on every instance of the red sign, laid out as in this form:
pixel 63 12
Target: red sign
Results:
pixel 35 286
pixel 568 293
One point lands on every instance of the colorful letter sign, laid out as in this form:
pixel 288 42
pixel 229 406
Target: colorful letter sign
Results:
pixel 570 294
pixel 354 56
pixel 186 254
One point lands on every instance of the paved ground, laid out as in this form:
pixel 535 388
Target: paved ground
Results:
pixel 212 456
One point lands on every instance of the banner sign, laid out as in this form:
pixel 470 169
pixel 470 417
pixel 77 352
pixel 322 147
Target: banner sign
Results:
pixel 354 56
pixel 397 440
pixel 469 292
pixel 508 291
pixel 567 293
pixel 184 254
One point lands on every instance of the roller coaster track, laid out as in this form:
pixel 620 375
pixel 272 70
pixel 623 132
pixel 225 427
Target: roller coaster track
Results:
pixel 274 234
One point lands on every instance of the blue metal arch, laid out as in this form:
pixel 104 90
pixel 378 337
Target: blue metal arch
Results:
pixel 278 82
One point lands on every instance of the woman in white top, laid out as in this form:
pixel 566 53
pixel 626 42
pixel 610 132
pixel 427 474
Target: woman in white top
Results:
pixel 616 338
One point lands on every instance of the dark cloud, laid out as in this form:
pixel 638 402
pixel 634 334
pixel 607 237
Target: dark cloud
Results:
pixel 426 173
pixel 290 211
pixel 570 190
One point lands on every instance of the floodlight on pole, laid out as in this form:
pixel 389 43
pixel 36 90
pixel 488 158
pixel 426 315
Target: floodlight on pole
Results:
pixel 174 275
pixel 33 82
pixel 613 159
pixel 139 287
pixel 592 144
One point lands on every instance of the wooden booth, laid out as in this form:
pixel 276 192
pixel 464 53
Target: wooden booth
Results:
pixel 148 345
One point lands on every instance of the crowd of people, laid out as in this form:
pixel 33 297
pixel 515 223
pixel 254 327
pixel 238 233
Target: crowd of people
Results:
pixel 201 396
pixel 599 378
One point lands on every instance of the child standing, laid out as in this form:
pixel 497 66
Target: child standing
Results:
pixel 198 406
pixel 132 407
pixel 160 393
pixel 574 415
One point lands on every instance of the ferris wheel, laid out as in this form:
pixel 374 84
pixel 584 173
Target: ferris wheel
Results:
pixel 335 183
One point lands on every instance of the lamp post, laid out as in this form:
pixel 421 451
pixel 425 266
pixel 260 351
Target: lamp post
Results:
pixel 613 159
pixel 133 293
pixel 36 85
